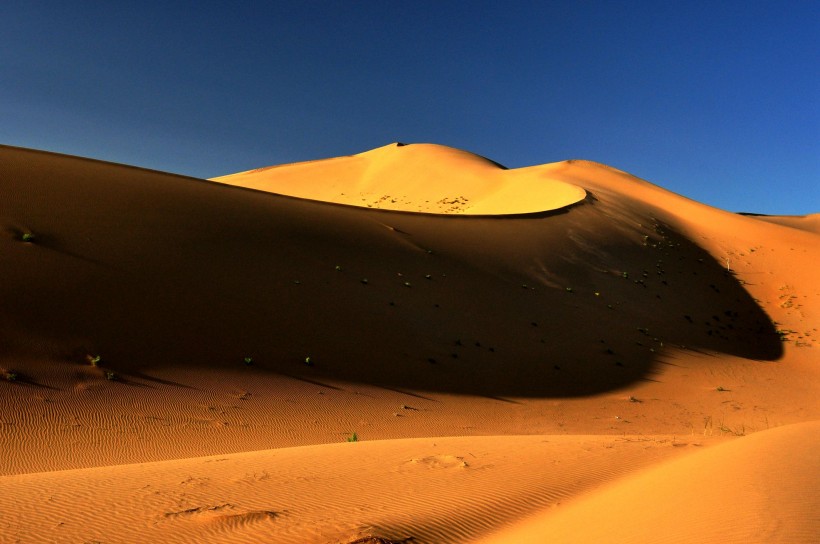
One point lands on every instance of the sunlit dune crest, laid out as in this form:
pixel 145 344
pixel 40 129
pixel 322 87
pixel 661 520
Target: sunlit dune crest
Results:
pixel 810 222
pixel 426 178
pixel 559 353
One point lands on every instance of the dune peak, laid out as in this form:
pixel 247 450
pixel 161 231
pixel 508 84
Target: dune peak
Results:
pixel 421 177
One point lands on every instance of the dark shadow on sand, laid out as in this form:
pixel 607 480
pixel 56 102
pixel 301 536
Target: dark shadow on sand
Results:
pixel 202 291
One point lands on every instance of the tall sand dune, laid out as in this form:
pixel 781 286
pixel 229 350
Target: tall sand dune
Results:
pixel 152 324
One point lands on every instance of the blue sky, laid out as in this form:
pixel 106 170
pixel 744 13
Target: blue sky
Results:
pixel 718 101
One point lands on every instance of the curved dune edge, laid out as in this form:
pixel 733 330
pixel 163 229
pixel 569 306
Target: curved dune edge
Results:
pixel 424 178
pixel 429 489
pixel 808 223
pixel 760 488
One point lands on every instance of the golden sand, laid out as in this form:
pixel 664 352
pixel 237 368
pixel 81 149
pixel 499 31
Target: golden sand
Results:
pixel 560 353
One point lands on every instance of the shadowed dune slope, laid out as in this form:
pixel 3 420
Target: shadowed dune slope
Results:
pixel 758 489
pixel 154 270
pixel 418 178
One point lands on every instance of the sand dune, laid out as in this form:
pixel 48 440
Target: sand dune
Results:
pixel 809 222
pixel 417 178
pixel 566 316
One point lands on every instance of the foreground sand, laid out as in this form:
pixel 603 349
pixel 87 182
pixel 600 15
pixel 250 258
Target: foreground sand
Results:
pixel 759 489
pixel 524 363
pixel 433 489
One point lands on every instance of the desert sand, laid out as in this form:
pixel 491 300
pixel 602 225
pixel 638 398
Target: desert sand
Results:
pixel 411 344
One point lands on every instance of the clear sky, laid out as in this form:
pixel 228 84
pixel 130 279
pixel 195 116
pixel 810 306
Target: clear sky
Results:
pixel 717 100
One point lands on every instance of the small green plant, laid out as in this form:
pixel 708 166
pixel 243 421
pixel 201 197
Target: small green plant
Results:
pixel 569 289
pixel 353 437
pixel 338 268
pixel 10 375
pixel 93 360
pixel 28 237
pixel 248 361
pixel 110 376
pixel 308 361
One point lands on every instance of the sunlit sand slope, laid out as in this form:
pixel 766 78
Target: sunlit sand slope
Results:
pixel 757 489
pixel 418 178
pixel 433 490
pixel 809 222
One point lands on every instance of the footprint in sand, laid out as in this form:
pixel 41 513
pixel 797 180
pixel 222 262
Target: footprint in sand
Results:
pixel 440 461
pixel 229 515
